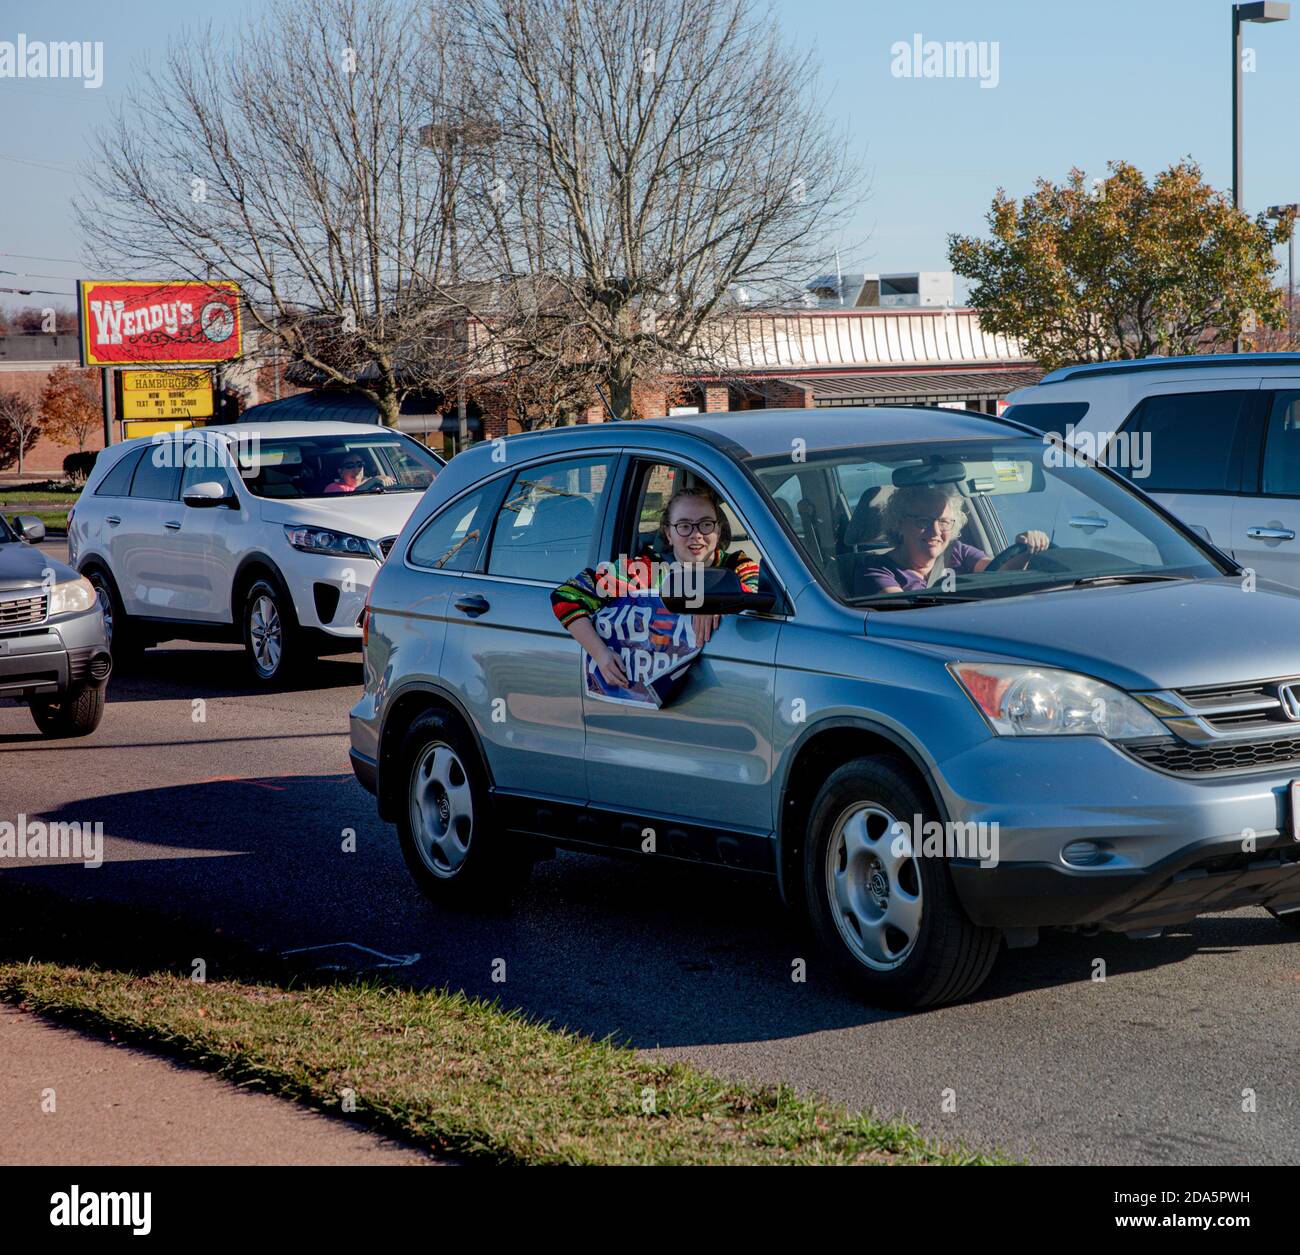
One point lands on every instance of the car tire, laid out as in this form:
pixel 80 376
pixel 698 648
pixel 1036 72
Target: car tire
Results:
pixel 125 641
pixel 1291 919
pixel 890 921
pixel 445 822
pixel 77 713
pixel 273 641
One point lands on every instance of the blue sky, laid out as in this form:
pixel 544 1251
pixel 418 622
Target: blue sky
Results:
pixel 1143 80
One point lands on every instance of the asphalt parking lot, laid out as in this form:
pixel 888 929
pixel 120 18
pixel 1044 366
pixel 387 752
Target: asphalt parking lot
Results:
pixel 234 806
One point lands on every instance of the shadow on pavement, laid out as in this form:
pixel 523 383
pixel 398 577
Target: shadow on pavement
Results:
pixel 650 953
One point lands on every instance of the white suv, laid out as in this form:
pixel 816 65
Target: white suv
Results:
pixel 1223 436
pixel 267 533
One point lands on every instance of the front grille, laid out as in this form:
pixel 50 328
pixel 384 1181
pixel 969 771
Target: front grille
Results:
pixel 20 611
pixel 386 544
pixel 1238 707
pixel 1184 759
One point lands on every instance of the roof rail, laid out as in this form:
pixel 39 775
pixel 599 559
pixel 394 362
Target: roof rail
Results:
pixel 1188 362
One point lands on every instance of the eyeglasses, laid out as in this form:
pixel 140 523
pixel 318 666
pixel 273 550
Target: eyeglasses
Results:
pixel 705 527
pixel 351 466
pixel 924 523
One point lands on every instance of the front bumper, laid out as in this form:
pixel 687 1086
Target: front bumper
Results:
pixel 1172 847
pixel 347 581
pixel 48 661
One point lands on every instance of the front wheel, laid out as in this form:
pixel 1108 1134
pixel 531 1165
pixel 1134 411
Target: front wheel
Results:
pixel 77 713
pixel 273 642
pixel 887 915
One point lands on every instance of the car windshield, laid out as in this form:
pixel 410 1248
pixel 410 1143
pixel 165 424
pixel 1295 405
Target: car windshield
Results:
pixel 905 525
pixel 323 466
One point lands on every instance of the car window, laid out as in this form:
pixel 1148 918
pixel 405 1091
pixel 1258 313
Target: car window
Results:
pixel 1281 476
pixel 1094 527
pixel 157 476
pixel 453 538
pixel 544 528
pixel 117 482
pixel 653 485
pixel 1048 416
pixel 335 465
pixel 1190 438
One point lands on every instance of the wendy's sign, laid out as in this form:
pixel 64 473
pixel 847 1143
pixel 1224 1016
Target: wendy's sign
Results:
pixel 654 646
pixel 130 323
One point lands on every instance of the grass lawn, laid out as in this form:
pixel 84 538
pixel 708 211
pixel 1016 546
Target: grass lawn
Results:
pixel 47 502
pixel 453 1074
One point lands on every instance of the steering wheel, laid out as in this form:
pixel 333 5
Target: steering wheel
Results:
pixel 1012 551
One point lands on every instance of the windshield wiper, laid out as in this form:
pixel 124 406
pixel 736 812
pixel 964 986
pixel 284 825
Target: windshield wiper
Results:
pixel 1097 581
pixel 906 601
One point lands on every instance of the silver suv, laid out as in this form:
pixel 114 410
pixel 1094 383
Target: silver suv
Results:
pixel 975 694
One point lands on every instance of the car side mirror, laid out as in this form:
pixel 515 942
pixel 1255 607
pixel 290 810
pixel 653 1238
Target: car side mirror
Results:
pixel 29 528
pixel 713 590
pixel 206 495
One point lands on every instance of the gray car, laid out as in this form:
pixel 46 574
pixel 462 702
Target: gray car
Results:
pixel 1074 713
pixel 54 653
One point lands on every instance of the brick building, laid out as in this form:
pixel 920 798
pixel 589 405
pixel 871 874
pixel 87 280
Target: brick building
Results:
pixel 799 358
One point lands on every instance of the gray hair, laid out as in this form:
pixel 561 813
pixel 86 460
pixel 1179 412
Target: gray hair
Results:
pixel 909 499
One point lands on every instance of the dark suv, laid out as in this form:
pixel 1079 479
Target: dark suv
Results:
pixel 53 651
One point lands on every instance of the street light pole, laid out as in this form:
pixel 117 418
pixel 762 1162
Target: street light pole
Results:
pixel 1259 11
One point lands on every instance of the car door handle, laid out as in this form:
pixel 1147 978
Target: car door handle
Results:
pixel 1270 533
pixel 113 520
pixel 172 525
pixel 473 605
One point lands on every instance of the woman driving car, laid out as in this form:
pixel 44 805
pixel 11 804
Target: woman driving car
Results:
pixel 347 477
pixel 923 520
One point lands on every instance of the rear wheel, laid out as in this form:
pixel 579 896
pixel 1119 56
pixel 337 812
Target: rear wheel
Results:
pixel 888 917
pixel 273 642
pixel 77 713
pixel 444 817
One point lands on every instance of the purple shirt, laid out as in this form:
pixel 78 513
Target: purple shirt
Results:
pixel 960 558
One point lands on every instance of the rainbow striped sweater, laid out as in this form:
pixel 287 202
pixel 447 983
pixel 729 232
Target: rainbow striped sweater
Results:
pixel 581 596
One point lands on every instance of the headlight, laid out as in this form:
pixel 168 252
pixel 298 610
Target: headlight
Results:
pixel 1040 701
pixel 71 597
pixel 336 544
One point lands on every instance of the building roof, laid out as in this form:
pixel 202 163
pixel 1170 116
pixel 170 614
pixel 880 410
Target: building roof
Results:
pixel 797 340
pixel 843 388
pixel 331 405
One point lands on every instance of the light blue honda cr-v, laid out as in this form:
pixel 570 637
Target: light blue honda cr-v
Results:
pixel 977 693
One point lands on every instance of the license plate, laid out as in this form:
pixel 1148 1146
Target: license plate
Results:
pixel 1293 794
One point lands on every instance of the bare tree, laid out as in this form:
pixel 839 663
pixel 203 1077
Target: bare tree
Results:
pixel 20 428
pixel 294 164
pixel 653 157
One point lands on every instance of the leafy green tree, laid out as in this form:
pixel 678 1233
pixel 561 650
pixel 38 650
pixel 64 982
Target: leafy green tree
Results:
pixel 1122 268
